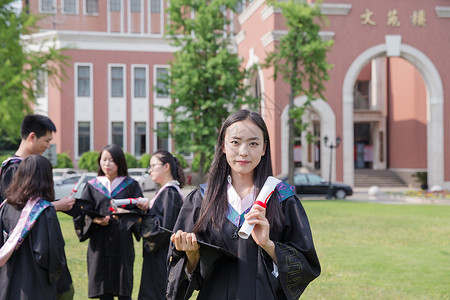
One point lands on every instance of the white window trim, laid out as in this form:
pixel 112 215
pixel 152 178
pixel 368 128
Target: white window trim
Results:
pixel 46 12
pixel 91 96
pixel 124 86
pixel 146 98
pixel 134 66
pixel 162 13
pixel 70 14
pixel 155 81
pixel 85 8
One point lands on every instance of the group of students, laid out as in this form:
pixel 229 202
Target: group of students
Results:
pixel 189 243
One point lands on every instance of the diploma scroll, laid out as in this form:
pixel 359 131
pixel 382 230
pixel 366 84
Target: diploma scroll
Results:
pixel 119 202
pixel 263 197
pixel 77 185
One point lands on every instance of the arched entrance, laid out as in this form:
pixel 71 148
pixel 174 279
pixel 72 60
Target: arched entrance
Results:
pixel 327 128
pixel 435 105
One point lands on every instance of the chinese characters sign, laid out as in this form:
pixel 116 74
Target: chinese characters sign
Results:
pixel 417 18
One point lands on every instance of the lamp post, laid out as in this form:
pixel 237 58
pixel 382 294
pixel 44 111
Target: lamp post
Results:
pixel 331 146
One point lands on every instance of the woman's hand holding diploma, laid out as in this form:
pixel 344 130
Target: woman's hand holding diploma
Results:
pixel 260 234
pixel 187 242
pixel 101 221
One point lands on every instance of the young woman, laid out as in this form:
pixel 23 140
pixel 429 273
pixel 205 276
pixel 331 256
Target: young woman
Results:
pixel 32 254
pixel 277 261
pixel 163 209
pixel 111 250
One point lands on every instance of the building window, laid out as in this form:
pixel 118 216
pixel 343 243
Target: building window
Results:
pixel 117 82
pixel 117 133
pixel 140 138
pixel 162 136
pixel 84 137
pixel 139 83
pixel 84 81
pixel 91 6
pixel 48 6
pixel 70 7
pixel 155 6
pixel 135 5
pixel 114 5
pixel 161 86
pixel 41 84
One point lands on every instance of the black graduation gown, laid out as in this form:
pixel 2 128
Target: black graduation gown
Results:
pixel 32 271
pixel 218 276
pixel 164 212
pixel 110 255
pixel 8 170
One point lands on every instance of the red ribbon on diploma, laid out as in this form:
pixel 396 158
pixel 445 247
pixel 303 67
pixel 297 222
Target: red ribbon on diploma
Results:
pixel 264 204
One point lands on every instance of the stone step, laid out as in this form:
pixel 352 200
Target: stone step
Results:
pixel 381 178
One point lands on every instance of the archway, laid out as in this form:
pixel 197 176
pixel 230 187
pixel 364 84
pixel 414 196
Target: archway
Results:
pixel 435 105
pixel 327 128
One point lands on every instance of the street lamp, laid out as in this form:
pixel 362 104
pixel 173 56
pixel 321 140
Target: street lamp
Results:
pixel 331 146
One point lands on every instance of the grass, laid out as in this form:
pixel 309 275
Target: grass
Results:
pixel 367 251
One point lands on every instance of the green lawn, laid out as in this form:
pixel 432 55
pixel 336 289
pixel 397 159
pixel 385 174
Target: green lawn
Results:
pixel 367 251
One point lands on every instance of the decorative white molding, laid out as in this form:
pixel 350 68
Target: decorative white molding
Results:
pixel 240 37
pixel 335 9
pixel 443 11
pixel 327 35
pixel 250 10
pixel 267 11
pixel 272 36
pixel 276 35
pixel 393 43
pixel 98 41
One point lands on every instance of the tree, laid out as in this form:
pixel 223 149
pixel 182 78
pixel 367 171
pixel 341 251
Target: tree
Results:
pixel 300 57
pixel 19 67
pixel 205 78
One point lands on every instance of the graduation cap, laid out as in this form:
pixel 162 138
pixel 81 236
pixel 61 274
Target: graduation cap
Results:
pixel 210 246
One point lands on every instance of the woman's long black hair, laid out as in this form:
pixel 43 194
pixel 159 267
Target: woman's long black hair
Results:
pixel 214 206
pixel 175 167
pixel 119 159
pixel 32 179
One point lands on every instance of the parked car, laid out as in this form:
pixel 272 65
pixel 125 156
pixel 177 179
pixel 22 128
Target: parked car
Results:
pixel 60 173
pixel 312 185
pixel 142 176
pixel 63 187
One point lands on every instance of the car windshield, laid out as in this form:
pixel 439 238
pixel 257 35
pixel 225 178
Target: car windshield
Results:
pixel 57 173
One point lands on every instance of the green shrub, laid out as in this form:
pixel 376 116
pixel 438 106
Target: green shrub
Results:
pixel 88 161
pixel 196 164
pixel 144 161
pixel 131 160
pixel 63 160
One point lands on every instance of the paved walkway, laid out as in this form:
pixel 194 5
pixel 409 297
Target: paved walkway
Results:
pixel 386 196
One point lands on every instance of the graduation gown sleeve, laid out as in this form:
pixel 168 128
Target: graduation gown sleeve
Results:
pixel 33 270
pixel 251 275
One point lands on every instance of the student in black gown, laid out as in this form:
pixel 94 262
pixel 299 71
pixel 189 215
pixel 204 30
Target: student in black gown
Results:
pixel 277 261
pixel 36 134
pixel 163 209
pixel 32 247
pixel 110 255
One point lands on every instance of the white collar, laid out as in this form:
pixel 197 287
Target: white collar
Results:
pixel 110 186
pixel 240 205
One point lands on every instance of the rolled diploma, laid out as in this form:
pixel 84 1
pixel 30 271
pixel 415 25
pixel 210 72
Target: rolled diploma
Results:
pixel 77 185
pixel 264 194
pixel 119 202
